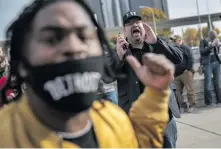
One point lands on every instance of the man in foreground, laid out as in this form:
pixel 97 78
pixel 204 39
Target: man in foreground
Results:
pixel 58 53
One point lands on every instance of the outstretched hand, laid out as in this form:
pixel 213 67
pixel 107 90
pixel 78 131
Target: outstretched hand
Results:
pixel 156 72
pixel 150 36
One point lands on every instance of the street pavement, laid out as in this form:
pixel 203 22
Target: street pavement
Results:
pixel 201 129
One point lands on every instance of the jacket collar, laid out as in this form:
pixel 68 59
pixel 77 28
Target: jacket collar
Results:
pixel 101 115
pixel 43 136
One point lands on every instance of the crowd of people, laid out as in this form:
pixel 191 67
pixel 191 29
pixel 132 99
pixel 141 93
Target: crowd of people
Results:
pixel 209 63
pixel 58 89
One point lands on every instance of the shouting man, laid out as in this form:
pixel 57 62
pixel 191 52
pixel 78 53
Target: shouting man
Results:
pixel 140 39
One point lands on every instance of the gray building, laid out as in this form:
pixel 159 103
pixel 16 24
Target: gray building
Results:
pixel 158 4
pixel 109 12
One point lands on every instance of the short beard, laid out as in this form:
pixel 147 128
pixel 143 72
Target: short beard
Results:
pixel 138 40
pixel 137 43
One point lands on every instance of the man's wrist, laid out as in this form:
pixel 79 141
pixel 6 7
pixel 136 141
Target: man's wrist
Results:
pixel 155 42
pixel 124 56
pixel 154 45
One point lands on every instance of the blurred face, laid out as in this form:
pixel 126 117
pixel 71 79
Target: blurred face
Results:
pixel 212 35
pixel 134 30
pixel 64 57
pixel 60 32
pixel 179 42
pixel 1 52
pixel 2 63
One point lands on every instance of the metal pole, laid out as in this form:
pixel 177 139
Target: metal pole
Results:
pixel 154 21
pixel 199 25
pixel 209 17
pixel 102 13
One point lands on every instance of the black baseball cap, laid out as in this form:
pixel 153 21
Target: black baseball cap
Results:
pixel 130 15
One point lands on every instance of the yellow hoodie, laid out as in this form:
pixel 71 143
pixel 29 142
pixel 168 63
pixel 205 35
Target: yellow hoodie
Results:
pixel 19 127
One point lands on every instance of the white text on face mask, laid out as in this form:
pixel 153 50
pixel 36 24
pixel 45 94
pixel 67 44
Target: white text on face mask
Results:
pixel 64 86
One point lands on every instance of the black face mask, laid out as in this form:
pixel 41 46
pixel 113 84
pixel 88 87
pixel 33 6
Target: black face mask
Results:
pixel 69 86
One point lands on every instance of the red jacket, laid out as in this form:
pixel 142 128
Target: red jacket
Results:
pixel 10 92
pixel 3 81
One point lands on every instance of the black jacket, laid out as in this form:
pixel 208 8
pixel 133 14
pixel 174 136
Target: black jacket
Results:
pixel 187 62
pixel 205 49
pixel 129 87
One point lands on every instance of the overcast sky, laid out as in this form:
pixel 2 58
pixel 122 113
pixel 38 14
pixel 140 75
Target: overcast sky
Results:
pixel 8 11
pixel 177 9
pixel 184 8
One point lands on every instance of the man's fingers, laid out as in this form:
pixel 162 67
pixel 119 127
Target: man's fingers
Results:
pixel 157 59
pixel 153 62
pixel 120 39
pixel 158 64
pixel 134 63
pixel 147 27
pixel 123 43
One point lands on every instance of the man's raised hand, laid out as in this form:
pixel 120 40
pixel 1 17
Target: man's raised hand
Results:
pixel 156 72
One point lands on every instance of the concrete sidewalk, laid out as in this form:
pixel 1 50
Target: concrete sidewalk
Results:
pixel 201 129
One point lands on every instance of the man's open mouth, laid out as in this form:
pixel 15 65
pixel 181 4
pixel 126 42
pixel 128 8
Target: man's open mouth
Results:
pixel 135 32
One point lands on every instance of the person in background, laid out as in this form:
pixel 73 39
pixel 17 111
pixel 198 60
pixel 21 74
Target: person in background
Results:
pixel 1 51
pixel 13 89
pixel 3 65
pixel 137 40
pixel 3 77
pixel 56 50
pixel 109 91
pixel 184 73
pixel 108 87
pixel 209 50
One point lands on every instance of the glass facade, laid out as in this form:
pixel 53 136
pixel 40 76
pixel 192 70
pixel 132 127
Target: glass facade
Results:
pixel 110 12
pixel 125 6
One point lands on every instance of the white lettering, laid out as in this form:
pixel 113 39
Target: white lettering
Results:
pixel 49 86
pixel 131 14
pixel 61 89
pixel 70 86
pixel 64 86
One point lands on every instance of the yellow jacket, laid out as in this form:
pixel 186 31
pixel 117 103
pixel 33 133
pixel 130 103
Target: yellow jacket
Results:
pixel 19 128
